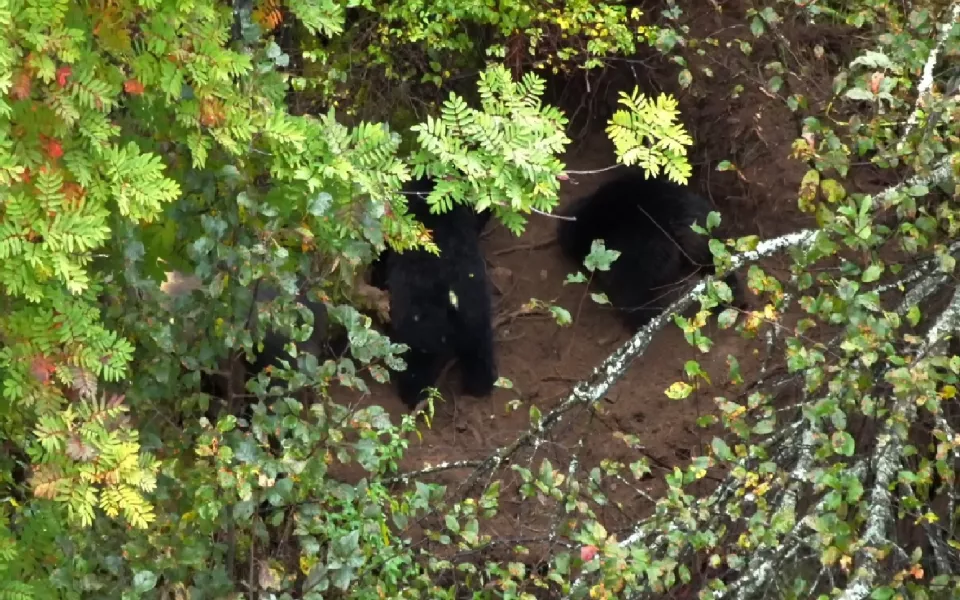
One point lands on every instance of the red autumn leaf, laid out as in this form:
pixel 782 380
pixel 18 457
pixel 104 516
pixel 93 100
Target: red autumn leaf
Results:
pixel 563 177
pixel 77 450
pixel 587 553
pixel 211 112
pixel 41 368
pixel 54 149
pixel 45 481
pixel 133 87
pixel 25 178
pixel 63 74
pixel 22 85
pixel 73 193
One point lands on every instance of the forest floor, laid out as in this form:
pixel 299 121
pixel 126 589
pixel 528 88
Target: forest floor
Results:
pixel 544 360
pixel 753 128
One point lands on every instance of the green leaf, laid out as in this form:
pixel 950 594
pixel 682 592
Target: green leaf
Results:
pixel 764 427
pixel 144 581
pixel 872 273
pixel 679 390
pixel 843 443
pixel 706 421
pixel 727 318
pixel 833 190
pixel 721 449
pixel 854 490
pixel 692 368
pixel 562 563
pixel 882 593
pixel 600 298
pixel 599 258
pixel 733 371
pixel 913 315
pixel 860 94
pixel 561 315
pixel 947 263
pixel 451 522
pixel 471 531
pixel 342 578
pixel 872 59
pixel 319 204
pixel 713 220
pixel 535 415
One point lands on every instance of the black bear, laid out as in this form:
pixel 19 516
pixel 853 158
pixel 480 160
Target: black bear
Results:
pixel 321 342
pixel 440 306
pixel 648 221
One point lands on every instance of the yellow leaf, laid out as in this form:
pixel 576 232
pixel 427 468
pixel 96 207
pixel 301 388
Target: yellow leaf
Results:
pixel 845 561
pixel 679 390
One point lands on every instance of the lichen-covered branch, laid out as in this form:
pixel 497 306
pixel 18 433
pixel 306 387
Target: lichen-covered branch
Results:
pixel 612 369
pixel 926 80
pixel 431 469
pixel 764 564
pixel 887 458
pixel 947 323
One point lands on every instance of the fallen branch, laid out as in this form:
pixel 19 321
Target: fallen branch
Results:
pixel 430 469
pixel 613 368
pixel 926 80
pixel 887 460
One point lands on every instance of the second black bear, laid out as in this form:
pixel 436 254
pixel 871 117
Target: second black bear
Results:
pixel 323 342
pixel 320 343
pixel 648 221
pixel 440 306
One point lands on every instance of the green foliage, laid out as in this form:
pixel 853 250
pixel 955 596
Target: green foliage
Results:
pixel 808 495
pixel 510 144
pixel 137 138
pixel 599 257
pixel 407 42
pixel 646 133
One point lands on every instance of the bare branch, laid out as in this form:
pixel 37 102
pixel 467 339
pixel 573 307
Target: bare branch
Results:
pixel 430 469
pixel 887 460
pixel 926 80
pixel 612 369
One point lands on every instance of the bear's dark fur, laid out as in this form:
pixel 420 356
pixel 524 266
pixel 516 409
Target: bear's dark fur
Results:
pixel 648 221
pixel 324 342
pixel 321 343
pixel 440 306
